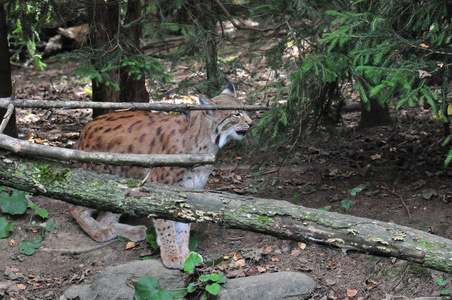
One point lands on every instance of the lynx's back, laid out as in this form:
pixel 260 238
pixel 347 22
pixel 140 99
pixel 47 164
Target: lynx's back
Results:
pixel 143 132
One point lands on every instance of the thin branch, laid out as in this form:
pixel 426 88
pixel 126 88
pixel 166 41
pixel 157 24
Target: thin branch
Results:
pixel 22 103
pixel 140 160
pixel 7 116
pixel 401 200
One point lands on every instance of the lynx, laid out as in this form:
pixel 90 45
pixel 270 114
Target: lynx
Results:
pixel 144 132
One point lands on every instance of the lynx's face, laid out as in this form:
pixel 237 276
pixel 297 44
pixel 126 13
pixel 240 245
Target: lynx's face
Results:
pixel 228 124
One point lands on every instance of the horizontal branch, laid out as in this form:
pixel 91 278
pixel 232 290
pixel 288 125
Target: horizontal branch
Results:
pixel 275 217
pixel 24 103
pixel 139 160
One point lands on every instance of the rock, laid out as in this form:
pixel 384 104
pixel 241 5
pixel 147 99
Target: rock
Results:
pixel 112 284
pixel 282 285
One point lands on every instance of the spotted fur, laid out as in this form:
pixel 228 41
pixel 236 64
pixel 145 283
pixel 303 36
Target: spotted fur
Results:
pixel 143 132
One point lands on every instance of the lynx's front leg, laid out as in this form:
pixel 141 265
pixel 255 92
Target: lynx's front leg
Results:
pixel 173 256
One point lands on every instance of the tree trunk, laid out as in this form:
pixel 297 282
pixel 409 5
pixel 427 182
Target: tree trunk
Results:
pixel 133 89
pixel 377 115
pixel 104 16
pixel 274 217
pixel 5 73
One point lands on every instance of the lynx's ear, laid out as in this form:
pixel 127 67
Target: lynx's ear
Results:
pixel 230 90
pixel 204 101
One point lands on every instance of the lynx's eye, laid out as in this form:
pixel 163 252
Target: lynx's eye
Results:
pixel 238 114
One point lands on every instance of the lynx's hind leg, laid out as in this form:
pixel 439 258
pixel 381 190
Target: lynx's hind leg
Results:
pixel 84 217
pixel 171 255
pixel 111 220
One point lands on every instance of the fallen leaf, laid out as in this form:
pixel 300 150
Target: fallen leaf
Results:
pixel 370 284
pixel 332 265
pixel 261 269
pixel 12 243
pixel 424 46
pixel 269 250
pixel 295 252
pixel 238 177
pixel 274 259
pixel 302 245
pixel 130 245
pixel 237 256
pixel 376 156
pixel 21 286
pixel 15 270
pixel 352 293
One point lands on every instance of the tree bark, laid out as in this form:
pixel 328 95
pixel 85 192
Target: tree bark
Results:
pixel 104 16
pixel 133 89
pixel 274 217
pixel 5 73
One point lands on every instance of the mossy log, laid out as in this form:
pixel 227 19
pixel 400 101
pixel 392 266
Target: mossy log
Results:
pixel 278 218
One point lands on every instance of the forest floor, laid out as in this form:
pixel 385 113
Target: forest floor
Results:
pixel 401 163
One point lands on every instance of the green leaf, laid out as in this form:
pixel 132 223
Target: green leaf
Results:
pixel 162 294
pixel 346 204
pixel 324 208
pixel 215 262
pixel 147 289
pixel 213 288
pixel 48 226
pixel 42 212
pixel 191 262
pixel 441 282
pixel 151 237
pixel 445 292
pixel 221 278
pixel 355 191
pixel 5 227
pixel 16 204
pixel 207 277
pixel 191 287
pixel 179 293
pixel 30 247
pixel 193 243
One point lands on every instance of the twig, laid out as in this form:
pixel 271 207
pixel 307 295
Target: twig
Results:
pixel 7 116
pixel 80 251
pixel 401 200
pixel 145 179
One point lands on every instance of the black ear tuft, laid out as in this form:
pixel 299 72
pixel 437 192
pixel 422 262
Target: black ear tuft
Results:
pixel 197 90
pixel 230 90
pixel 204 101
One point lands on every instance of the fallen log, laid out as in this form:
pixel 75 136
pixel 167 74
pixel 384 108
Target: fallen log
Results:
pixel 274 217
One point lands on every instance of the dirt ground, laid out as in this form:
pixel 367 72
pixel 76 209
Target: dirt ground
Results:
pixel 394 164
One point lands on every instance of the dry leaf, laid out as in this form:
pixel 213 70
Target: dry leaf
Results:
pixel 352 293
pixel 269 250
pixel 274 259
pixel 21 286
pixel 130 245
pixel 15 270
pixel 295 252
pixel 12 243
pixel 332 265
pixel 424 46
pixel 261 269
pixel 376 156
pixel 237 256
pixel 302 245
pixel 238 177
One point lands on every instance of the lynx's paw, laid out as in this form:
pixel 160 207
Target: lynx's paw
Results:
pixel 173 261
